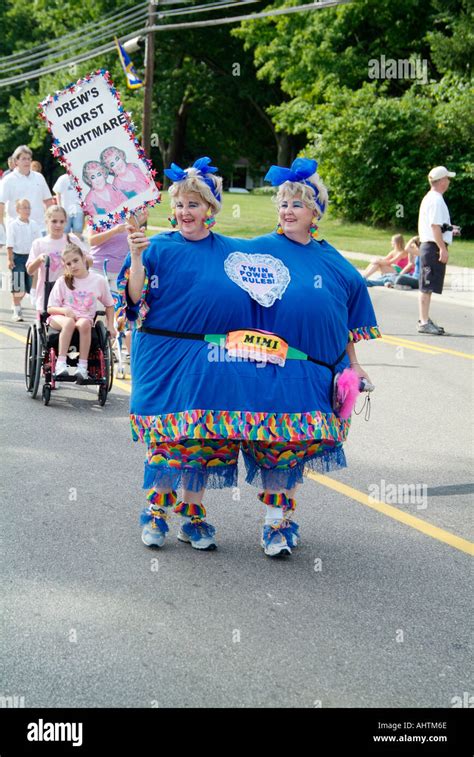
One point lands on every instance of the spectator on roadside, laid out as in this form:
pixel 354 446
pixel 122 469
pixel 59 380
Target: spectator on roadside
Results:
pixel 406 279
pixel 391 263
pixel 404 264
pixel 436 234
pixel 409 275
pixel 23 183
pixel 67 198
pixel 36 166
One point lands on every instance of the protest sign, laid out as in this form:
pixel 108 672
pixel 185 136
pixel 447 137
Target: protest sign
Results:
pixel 94 139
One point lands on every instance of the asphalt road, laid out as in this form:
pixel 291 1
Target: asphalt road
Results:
pixel 369 611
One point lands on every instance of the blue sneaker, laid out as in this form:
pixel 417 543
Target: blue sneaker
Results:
pixel 274 540
pixel 199 534
pixel 155 527
pixel 291 533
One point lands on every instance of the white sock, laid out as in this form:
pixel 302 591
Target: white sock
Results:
pixel 16 309
pixel 273 514
pixel 61 363
pixel 82 363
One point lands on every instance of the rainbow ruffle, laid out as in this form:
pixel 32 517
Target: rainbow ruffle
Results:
pixel 364 332
pixel 161 499
pixel 239 424
pixel 190 510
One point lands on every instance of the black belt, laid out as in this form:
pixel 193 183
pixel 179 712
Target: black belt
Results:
pixel 293 353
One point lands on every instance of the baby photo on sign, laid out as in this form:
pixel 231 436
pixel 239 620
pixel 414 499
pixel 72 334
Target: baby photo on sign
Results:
pixel 112 181
pixel 94 139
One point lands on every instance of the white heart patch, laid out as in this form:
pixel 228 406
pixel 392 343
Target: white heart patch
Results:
pixel 263 277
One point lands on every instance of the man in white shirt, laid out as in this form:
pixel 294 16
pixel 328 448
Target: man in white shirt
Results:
pixel 436 234
pixel 69 200
pixel 23 183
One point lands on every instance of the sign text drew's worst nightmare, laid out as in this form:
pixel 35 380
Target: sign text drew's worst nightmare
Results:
pixel 90 116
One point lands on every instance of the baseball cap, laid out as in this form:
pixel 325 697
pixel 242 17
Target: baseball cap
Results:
pixel 439 172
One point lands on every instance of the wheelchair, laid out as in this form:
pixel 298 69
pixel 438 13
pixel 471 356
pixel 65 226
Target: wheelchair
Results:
pixel 41 353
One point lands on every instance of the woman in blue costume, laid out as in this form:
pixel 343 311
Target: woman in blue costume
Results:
pixel 237 347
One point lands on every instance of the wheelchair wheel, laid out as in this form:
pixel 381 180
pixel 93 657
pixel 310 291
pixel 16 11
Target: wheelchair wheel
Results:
pixel 35 361
pixel 109 364
pixel 106 347
pixel 46 396
pixel 30 355
pixel 102 395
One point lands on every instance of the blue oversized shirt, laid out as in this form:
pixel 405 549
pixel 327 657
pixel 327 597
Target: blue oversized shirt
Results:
pixel 307 294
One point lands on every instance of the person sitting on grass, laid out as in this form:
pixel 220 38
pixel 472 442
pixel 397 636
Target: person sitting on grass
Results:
pixel 406 264
pixel 391 263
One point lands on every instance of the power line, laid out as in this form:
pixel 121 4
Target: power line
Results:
pixel 33 61
pixel 171 27
pixel 78 32
pixel 112 23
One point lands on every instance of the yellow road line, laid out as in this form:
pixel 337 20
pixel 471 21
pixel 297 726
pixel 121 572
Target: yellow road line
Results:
pixel 12 334
pixel 122 384
pixel 435 348
pixel 421 348
pixel 393 512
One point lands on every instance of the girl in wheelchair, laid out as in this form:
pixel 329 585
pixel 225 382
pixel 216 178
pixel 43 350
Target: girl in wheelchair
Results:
pixel 72 305
pixel 50 246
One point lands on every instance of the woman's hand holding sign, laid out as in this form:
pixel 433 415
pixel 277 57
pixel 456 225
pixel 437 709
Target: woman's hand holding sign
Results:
pixel 138 241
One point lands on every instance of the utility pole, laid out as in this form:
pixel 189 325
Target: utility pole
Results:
pixel 149 72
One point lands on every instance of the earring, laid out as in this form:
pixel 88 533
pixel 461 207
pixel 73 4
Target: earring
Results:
pixel 209 221
pixel 173 221
pixel 279 229
pixel 313 229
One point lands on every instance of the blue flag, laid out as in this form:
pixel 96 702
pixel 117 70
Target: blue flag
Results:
pixel 133 80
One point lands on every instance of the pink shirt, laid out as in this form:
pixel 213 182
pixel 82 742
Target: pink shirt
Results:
pixel 106 202
pixel 136 183
pixel 53 248
pixel 84 299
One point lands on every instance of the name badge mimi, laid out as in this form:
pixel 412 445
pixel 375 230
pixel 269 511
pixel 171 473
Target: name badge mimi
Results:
pixel 262 346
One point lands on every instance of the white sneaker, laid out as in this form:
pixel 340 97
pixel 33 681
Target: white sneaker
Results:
pixel 61 369
pixel 273 541
pixel 81 374
pixel 17 317
pixel 200 535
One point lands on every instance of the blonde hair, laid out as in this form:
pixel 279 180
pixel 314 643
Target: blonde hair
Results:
pixel 398 242
pixel 75 249
pixel 51 210
pixel 22 201
pixel 293 188
pixel 194 183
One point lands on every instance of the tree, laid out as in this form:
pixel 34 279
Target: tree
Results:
pixel 375 138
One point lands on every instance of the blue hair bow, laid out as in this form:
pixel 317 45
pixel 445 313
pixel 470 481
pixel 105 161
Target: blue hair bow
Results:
pixel 203 167
pixel 300 170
